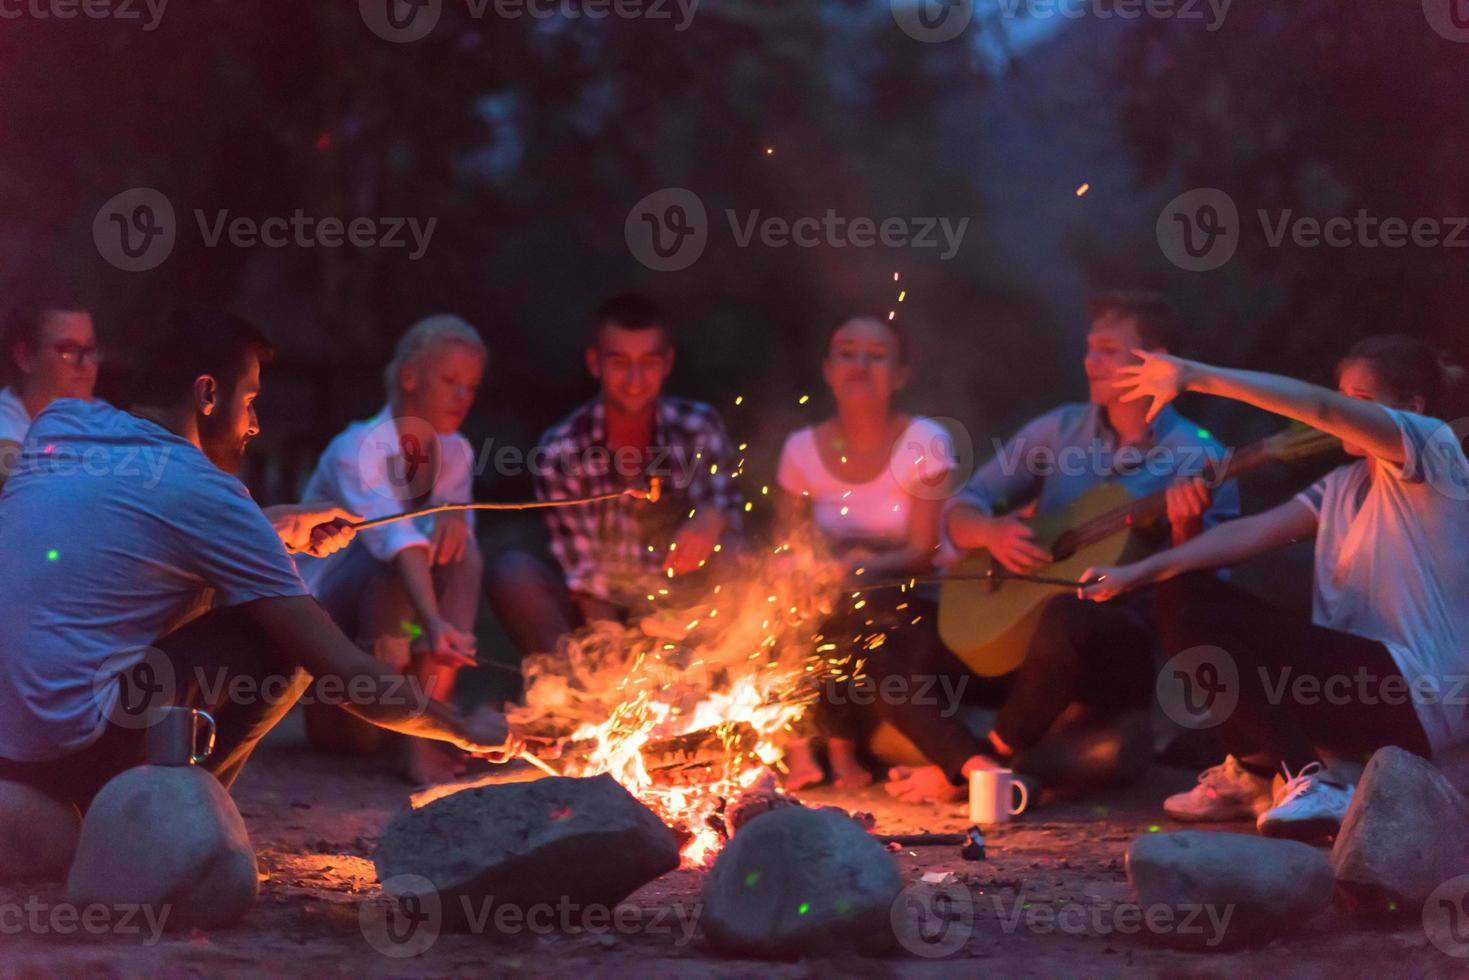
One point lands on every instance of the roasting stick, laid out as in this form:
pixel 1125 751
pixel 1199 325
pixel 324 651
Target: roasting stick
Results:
pixel 993 575
pixel 650 494
pixel 537 763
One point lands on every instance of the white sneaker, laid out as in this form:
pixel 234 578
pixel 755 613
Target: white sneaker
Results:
pixel 1225 792
pixel 1307 807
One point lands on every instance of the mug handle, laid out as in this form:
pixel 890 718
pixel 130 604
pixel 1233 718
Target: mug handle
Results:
pixel 197 756
pixel 1024 797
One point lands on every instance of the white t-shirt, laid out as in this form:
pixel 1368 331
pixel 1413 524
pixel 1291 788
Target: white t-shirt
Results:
pixel 879 509
pixel 14 419
pixel 1392 564
pixel 363 469
pixel 114 532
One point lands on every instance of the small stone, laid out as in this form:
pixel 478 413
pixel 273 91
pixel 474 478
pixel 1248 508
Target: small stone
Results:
pixel 1227 890
pixel 1406 833
pixel 557 841
pixel 38 834
pixel 797 882
pixel 169 838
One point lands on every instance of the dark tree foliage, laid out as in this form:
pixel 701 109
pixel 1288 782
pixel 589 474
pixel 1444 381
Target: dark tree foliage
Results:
pixel 1317 108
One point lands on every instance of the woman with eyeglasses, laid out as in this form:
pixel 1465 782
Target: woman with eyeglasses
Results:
pixel 50 352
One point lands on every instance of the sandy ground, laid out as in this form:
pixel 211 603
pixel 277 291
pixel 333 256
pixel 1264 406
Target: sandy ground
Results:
pixel 1044 903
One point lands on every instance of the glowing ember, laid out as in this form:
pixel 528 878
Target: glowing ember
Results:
pixel 689 706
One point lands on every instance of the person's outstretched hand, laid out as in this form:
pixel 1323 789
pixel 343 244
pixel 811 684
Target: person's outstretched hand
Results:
pixel 488 734
pixel 1160 377
pixel 1106 582
pixel 445 642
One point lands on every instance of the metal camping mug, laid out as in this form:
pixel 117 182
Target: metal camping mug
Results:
pixel 173 737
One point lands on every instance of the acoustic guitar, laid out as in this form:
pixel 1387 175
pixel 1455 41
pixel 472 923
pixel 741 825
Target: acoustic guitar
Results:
pixel 988 620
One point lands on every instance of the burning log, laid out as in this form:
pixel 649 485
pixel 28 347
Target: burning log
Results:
pixel 701 749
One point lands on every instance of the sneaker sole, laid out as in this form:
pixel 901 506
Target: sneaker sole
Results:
pixel 1302 830
pixel 1186 817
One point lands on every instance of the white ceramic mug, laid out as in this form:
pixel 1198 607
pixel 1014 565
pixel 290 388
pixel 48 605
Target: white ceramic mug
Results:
pixel 992 796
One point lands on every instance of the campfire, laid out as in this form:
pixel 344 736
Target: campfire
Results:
pixel 688 706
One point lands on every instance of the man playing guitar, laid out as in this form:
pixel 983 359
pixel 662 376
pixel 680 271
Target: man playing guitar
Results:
pixel 1102 655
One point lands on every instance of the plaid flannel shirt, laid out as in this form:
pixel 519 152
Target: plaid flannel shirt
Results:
pixel 614 548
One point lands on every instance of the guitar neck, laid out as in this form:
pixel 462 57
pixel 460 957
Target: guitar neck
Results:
pixel 1153 507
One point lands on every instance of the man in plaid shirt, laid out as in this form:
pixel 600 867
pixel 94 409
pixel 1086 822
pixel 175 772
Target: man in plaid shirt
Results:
pixel 614 553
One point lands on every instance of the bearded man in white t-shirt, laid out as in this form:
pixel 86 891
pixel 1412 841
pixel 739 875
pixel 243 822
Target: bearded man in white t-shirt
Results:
pixel 141 573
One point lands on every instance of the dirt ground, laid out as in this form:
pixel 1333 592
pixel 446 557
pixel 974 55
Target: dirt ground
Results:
pixel 1045 903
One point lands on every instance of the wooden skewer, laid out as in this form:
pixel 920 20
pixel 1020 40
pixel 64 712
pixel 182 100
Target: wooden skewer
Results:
pixel 650 494
pixel 993 575
pixel 922 840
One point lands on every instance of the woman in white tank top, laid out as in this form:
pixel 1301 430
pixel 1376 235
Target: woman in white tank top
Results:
pixel 872 481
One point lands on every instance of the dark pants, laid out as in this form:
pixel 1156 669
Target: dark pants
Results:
pixel 530 599
pixel 1298 687
pixel 1098 655
pixel 850 709
pixel 215 653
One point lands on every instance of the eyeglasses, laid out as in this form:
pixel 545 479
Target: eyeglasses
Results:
pixel 77 354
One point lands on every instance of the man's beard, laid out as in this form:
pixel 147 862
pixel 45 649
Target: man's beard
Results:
pixel 224 448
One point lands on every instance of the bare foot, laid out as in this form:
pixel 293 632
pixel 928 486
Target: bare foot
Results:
pixel 846 770
pixel 802 768
pixel 922 784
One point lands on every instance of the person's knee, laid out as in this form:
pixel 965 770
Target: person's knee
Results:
pixel 507 567
pixel 1062 626
pixel 514 576
pixel 1191 624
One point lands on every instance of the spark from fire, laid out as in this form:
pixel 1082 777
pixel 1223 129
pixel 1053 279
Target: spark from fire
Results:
pixel 686 707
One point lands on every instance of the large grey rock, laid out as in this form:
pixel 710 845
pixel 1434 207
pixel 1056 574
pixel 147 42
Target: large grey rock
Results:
pixel 558 842
pixel 1405 833
pixel 797 882
pixel 168 837
pixel 38 834
pixel 1226 890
